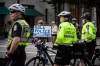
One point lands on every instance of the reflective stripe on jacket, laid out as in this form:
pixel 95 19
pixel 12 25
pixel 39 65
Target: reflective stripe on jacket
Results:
pixel 25 33
pixel 66 34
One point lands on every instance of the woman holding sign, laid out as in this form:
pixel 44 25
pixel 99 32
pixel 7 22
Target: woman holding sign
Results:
pixel 41 39
pixel 41 23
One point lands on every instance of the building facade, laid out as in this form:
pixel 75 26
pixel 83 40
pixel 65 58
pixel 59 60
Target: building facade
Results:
pixel 42 10
pixel 35 10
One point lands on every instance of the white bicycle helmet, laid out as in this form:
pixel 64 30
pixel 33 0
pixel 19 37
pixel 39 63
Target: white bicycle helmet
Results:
pixel 17 7
pixel 64 13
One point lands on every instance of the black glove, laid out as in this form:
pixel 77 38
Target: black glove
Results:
pixel 54 47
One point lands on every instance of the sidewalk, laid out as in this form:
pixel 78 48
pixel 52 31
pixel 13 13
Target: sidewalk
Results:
pixel 3 41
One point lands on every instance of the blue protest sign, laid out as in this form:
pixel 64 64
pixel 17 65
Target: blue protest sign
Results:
pixel 42 31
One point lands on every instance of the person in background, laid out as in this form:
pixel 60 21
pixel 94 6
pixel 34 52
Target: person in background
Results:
pixel 74 22
pixel 66 37
pixel 41 40
pixel 94 23
pixel 78 27
pixel 18 36
pixel 54 29
pixel 5 31
pixel 41 23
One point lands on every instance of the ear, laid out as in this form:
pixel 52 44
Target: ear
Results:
pixel 19 13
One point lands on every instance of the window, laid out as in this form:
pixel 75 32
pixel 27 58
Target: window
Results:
pixel 29 19
pixel 29 6
pixel 1 4
pixel 1 18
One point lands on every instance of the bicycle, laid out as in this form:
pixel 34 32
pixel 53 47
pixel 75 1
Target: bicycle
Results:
pixel 79 54
pixel 39 59
pixel 96 57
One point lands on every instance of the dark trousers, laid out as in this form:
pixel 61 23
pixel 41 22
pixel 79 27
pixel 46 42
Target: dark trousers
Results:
pixel 63 55
pixel 18 62
pixel 18 58
pixel 5 34
pixel 90 49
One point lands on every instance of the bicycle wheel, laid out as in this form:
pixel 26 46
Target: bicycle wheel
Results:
pixel 78 62
pixel 96 60
pixel 36 61
pixel 75 62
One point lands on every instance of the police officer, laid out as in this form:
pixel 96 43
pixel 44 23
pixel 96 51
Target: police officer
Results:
pixel 88 34
pixel 66 37
pixel 18 36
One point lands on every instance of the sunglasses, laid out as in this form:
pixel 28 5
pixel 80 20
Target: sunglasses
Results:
pixel 12 11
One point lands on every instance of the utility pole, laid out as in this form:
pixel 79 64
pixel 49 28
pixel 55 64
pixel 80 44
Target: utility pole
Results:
pixel 18 1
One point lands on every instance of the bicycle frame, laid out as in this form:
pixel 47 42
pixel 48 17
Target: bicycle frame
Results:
pixel 82 55
pixel 48 57
pixel 41 49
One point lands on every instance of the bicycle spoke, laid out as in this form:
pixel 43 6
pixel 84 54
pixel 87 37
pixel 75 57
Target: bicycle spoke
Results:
pixel 99 58
pixel 97 62
pixel 35 62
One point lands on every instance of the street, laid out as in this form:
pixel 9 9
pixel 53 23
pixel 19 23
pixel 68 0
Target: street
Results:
pixel 64 20
pixel 30 50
